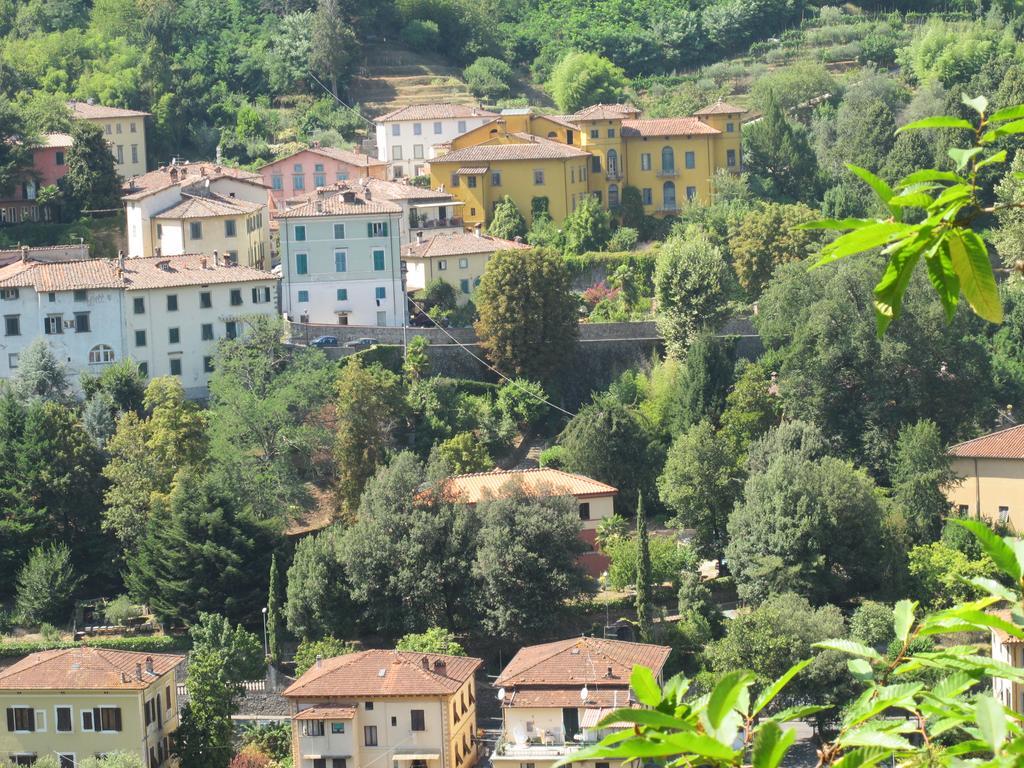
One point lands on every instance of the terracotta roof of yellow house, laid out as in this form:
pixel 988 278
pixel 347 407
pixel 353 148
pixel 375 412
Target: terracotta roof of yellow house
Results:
pixel 87 111
pixel 581 660
pixel 137 274
pixel 205 205
pixel 473 488
pixel 434 112
pixel 399 190
pixel 87 668
pixel 668 126
pixel 1002 444
pixel 379 673
pixel 183 174
pixel 526 148
pixel 605 112
pixel 721 108
pixel 459 243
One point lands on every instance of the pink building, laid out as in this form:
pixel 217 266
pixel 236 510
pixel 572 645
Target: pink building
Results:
pixel 296 176
pixel 49 164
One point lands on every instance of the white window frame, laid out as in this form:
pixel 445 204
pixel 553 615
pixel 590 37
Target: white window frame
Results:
pixel 463 263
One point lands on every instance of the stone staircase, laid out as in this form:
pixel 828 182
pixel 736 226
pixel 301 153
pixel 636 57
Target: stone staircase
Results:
pixel 394 77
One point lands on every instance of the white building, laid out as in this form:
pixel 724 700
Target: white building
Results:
pixel 433 210
pixel 341 259
pixel 165 313
pixel 199 208
pixel 407 136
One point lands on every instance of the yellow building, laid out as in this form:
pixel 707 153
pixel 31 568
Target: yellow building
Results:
pixel 458 258
pixel 79 702
pixel 529 169
pixel 385 708
pixel 554 695
pixel 210 223
pixel 990 472
pixel 1009 650
pixel 671 161
pixel 124 130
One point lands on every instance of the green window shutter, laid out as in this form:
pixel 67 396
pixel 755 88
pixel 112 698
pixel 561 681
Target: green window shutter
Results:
pixel 369 229
pixel 385 229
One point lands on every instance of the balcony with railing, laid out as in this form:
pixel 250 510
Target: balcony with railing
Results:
pixel 539 748
pixel 668 172
pixel 613 174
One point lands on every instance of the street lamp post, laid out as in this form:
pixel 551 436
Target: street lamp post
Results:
pixel 266 644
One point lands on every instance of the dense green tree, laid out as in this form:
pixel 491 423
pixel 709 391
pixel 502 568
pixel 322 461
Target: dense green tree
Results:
pixel 872 624
pixel 91 180
pixel 464 453
pixel 632 209
pixel 15 146
pixel 753 405
pixel 794 438
pixel 668 561
pixel 368 409
pixel 145 454
pixel 528 318
pixel 778 153
pixel 811 527
pixel 701 482
pixel 273 614
pixel 489 78
pixel 240 650
pixel 262 398
pixel 507 222
pixel 608 442
pixel 919 471
pixel 766 237
pixel 46 586
pixel 324 648
pixel 776 635
pixel 318 601
pixel 644 586
pixel 941 575
pixel 582 79
pixel 123 382
pixel 433 640
pixel 690 287
pixel 205 734
pixel 1008 236
pixel 588 227
pixel 406 554
pixel 41 375
pixel 289 52
pixel 334 49
pixel 794 86
pixel 703 381
pixel 526 564
pixel 200 553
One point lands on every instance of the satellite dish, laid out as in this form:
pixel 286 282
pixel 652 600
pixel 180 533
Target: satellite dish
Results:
pixel 584 693
pixel 501 694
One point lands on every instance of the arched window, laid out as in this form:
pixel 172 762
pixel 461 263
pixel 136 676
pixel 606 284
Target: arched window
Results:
pixel 101 353
pixel 613 195
pixel 552 135
pixel 613 168
pixel 668 159
pixel 668 195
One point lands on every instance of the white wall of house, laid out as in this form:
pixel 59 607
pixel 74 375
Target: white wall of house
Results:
pixel 408 151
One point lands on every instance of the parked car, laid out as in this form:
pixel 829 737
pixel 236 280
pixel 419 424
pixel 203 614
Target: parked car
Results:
pixel 324 341
pixel 360 343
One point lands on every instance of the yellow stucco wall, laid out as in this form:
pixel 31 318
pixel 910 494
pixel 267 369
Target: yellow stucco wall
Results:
pixel 118 131
pixel 454 273
pixel 134 736
pixel 986 485
pixel 251 230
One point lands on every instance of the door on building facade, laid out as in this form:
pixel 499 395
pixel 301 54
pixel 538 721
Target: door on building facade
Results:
pixel 570 723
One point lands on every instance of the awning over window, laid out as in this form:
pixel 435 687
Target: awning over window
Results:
pixel 470 171
pixel 417 756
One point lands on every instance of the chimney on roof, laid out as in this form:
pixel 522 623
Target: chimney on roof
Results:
pixel 439 667
pixel 319 661
pixel 419 238
pixel 518 238
pixel 609 674
pixel 426 663
pixel 138 671
pixel 149 665
pixel 90 101
pixel 120 259
pixel 216 258
pixel 156 252
pixel 125 677
pixel 477 229
pixel 367 193
pixel 24 253
pixel 202 170
pixel 202 261
pixel 314 144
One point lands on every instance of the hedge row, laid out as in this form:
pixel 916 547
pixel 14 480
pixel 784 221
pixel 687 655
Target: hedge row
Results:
pixel 585 264
pixel 153 644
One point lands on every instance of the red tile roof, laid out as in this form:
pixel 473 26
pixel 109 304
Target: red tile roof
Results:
pixel 207 204
pixel 56 140
pixel 399 190
pixel 720 108
pixel 581 660
pixel 669 126
pixel 331 201
pixel 378 673
pixel 138 274
pixel 357 159
pixel 458 243
pixel 434 112
pixel 85 668
pixel 1001 444
pixel 473 488
pixel 326 713
pixel 605 112
pixel 182 174
pixel 527 148
pixel 86 111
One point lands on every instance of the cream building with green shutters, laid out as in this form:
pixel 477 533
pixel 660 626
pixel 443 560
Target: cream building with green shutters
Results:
pixel 81 702
pixel 341 259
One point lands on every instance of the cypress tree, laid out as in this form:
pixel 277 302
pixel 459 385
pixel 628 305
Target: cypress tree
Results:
pixel 273 611
pixel 643 574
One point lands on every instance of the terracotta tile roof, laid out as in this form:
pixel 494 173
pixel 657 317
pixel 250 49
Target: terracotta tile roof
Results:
pixel 471 489
pixel 398 190
pixel 209 204
pixel 581 660
pixel 563 120
pixel 459 243
pixel 326 713
pixel 375 673
pixel 138 274
pixel 56 140
pixel 348 156
pixel 669 126
pixel 605 112
pixel 1002 444
pixel 528 148
pixel 1006 615
pixel 720 108
pixel 434 112
pixel 86 111
pixel 344 199
pixel 183 174
pixel 601 695
pixel 85 668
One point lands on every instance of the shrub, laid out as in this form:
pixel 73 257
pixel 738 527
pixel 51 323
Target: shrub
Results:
pixel 669 560
pixel 250 757
pixel 464 454
pixel 871 624
pixel 327 647
pixel 421 35
pixel 49 632
pixel 551 457
pixel 623 239
pixel 46 585
pixel 273 739
pixel 489 78
pixel 521 402
pixel 120 609
pixel 434 640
